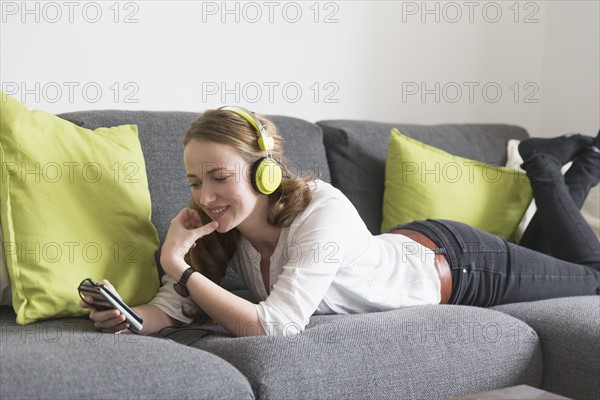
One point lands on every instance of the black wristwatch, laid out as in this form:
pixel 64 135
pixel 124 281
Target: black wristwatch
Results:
pixel 181 286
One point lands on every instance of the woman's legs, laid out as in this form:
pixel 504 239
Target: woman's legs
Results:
pixel 565 231
pixel 487 270
pixel 583 175
pixel 562 148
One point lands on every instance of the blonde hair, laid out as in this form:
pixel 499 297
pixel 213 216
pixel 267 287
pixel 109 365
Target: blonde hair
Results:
pixel 213 252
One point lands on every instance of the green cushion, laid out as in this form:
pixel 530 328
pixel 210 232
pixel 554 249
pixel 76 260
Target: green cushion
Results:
pixel 422 182
pixel 74 203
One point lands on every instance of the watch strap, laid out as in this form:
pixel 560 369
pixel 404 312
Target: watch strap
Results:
pixel 181 285
pixel 186 275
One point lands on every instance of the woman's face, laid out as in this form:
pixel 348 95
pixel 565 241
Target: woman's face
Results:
pixel 218 177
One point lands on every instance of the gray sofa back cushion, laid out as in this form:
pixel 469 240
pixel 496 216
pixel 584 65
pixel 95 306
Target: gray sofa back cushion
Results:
pixel 161 134
pixel 357 151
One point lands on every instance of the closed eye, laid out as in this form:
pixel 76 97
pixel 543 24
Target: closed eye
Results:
pixel 197 185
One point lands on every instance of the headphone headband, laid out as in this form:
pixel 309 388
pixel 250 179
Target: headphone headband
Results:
pixel 265 142
pixel 266 172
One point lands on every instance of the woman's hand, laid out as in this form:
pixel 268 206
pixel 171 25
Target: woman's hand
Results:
pixel 183 232
pixel 107 320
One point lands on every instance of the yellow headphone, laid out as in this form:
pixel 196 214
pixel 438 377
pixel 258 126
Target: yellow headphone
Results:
pixel 266 173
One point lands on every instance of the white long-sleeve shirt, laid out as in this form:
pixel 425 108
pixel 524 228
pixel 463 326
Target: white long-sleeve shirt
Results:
pixel 327 262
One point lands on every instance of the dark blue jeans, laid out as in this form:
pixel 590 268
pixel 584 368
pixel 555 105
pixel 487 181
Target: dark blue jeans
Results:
pixel 487 270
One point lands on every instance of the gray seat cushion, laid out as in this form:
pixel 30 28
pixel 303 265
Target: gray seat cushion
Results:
pixel 357 151
pixel 69 359
pixel 569 330
pixel 426 352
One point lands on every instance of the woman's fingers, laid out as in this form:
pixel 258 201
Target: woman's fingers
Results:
pixel 197 221
pixel 105 320
pixel 109 320
pixel 206 229
pixel 185 229
pixel 110 287
pixel 189 218
pixel 107 283
pixel 88 299
pixel 194 233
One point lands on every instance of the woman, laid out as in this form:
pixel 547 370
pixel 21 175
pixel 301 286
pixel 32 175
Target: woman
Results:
pixel 302 248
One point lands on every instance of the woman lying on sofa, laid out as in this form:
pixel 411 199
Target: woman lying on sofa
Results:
pixel 302 248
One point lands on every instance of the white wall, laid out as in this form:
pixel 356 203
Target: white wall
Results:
pixel 571 73
pixel 354 59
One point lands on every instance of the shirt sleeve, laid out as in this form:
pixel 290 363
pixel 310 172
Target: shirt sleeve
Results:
pixel 314 253
pixel 173 304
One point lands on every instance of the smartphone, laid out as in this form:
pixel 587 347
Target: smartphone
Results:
pixel 104 299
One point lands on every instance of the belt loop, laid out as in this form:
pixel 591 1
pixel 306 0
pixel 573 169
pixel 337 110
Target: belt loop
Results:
pixel 445 243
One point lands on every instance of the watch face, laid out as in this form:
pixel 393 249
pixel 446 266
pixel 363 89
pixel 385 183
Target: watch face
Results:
pixel 181 290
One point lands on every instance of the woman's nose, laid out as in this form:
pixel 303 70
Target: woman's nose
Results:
pixel 206 195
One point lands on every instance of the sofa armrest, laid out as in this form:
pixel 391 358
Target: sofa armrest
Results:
pixel 569 331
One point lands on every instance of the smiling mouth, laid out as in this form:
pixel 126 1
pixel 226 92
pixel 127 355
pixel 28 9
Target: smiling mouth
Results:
pixel 217 212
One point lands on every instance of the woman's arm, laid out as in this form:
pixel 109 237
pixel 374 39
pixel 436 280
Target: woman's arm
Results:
pixel 154 318
pixel 322 239
pixel 235 314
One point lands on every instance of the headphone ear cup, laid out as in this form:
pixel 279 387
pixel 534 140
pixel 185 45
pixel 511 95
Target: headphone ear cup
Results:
pixel 266 175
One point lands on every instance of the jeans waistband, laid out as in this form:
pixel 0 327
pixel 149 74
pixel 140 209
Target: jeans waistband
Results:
pixel 439 234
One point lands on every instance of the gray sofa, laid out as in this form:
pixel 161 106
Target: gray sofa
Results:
pixel 425 352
